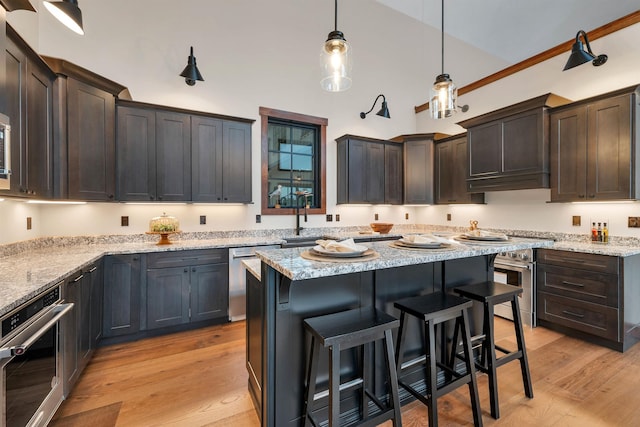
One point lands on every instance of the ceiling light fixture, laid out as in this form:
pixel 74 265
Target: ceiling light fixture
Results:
pixel 384 111
pixel 67 12
pixel 444 92
pixel 335 60
pixel 579 56
pixel 191 72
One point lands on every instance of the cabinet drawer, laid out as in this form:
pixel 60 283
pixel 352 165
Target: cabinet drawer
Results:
pixel 183 258
pixel 579 315
pixel 591 262
pixel 583 285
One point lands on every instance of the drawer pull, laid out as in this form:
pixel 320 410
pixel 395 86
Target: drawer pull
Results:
pixel 573 314
pixel 577 285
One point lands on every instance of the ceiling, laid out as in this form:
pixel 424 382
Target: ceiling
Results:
pixel 515 30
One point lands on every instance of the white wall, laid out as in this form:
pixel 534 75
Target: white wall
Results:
pixel 254 54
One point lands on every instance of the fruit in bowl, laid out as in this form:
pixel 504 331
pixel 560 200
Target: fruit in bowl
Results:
pixel 381 227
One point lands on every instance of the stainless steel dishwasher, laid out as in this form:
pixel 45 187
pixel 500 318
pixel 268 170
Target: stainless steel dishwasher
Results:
pixel 238 279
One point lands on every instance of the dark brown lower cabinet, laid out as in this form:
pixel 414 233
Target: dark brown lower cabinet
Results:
pixel 122 278
pixel 595 297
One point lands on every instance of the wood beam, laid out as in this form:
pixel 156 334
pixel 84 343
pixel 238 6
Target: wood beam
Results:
pixel 606 29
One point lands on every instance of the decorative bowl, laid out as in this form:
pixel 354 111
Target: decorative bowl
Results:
pixel 381 227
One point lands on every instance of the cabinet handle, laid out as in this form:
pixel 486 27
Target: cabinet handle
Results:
pixel 592 196
pixel 93 269
pixel 135 258
pixel 186 270
pixel 578 285
pixel 573 314
pixel 193 269
pixel 580 196
pixel 110 196
pixel 78 278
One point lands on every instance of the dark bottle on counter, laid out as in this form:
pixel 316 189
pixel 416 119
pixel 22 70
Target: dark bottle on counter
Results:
pixel 605 233
pixel 599 232
pixel 594 233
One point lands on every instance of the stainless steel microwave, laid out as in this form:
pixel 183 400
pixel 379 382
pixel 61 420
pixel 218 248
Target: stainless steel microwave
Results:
pixel 5 152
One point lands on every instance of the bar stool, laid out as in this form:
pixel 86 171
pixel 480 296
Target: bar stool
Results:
pixel 433 310
pixel 489 294
pixel 342 331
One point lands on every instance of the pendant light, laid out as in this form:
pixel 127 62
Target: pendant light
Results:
pixel 67 12
pixel 335 60
pixel 444 92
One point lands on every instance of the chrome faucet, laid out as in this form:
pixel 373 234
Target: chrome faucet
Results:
pixel 300 194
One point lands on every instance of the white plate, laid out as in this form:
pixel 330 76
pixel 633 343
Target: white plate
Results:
pixel 322 251
pixel 430 245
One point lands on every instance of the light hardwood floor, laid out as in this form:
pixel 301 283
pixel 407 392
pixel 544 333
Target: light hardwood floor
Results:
pixel 198 378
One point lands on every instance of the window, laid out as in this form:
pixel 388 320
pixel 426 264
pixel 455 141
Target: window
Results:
pixel 293 162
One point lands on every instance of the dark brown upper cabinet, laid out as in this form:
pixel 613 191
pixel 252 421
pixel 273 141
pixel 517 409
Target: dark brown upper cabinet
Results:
pixel 29 96
pixel 418 167
pixel 168 154
pixel 451 172
pixel 84 134
pixel 594 148
pixel 508 149
pixel 369 171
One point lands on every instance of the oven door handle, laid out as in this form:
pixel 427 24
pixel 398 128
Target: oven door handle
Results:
pixel 507 265
pixel 49 319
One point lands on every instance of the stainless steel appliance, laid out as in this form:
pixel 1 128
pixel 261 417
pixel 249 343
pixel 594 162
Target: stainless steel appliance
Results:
pixel 31 361
pixel 517 268
pixel 5 152
pixel 238 279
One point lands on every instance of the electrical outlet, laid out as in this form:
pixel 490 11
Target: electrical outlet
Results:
pixel 406 215
pixel 203 219
pixel 124 221
pixel 258 219
pixel 28 223
pixel 634 222
pixel 448 217
pixel 375 216
pixel 329 217
pixel 575 220
pixel 337 217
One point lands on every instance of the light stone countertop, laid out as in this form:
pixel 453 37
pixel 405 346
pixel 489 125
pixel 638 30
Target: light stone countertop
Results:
pixel 253 266
pixel 292 265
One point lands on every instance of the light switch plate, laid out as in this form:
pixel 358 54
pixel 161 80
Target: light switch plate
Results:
pixel 575 220
pixel 124 221
pixel 203 219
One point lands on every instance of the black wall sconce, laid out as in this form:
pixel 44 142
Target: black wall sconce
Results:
pixel 68 12
pixel 191 72
pixel 384 111
pixel 579 56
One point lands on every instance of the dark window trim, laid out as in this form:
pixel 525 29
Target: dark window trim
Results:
pixel 265 113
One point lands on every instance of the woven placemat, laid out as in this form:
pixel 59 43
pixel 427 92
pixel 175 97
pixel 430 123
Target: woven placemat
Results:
pixel 368 255
pixel 396 245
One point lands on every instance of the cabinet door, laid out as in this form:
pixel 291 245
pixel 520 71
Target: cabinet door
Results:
pixel 418 172
pixel 393 174
pixel 167 297
pixel 357 171
pixel 97 303
pixel 568 141
pixel 609 149
pixel 485 150
pixel 236 153
pixel 122 277
pixel 524 148
pixel 209 291
pixel 15 92
pixel 444 173
pixel 374 172
pixel 91 142
pixel 136 153
pixel 84 321
pixel 39 132
pixel 459 167
pixel 72 294
pixel 206 159
pixel 173 156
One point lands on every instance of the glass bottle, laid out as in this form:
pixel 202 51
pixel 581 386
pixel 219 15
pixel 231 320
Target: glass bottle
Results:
pixel 594 233
pixel 605 233
pixel 599 232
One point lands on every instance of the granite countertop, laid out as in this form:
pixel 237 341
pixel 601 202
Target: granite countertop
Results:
pixel 292 265
pixel 597 248
pixel 253 266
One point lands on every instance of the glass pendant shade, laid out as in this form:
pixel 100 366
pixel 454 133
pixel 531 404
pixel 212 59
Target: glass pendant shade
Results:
pixel 68 13
pixel 444 94
pixel 335 63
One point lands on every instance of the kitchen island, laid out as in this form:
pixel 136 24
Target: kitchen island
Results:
pixel 292 288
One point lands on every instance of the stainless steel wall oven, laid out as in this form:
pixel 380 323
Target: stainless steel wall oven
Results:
pixel 517 268
pixel 31 362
